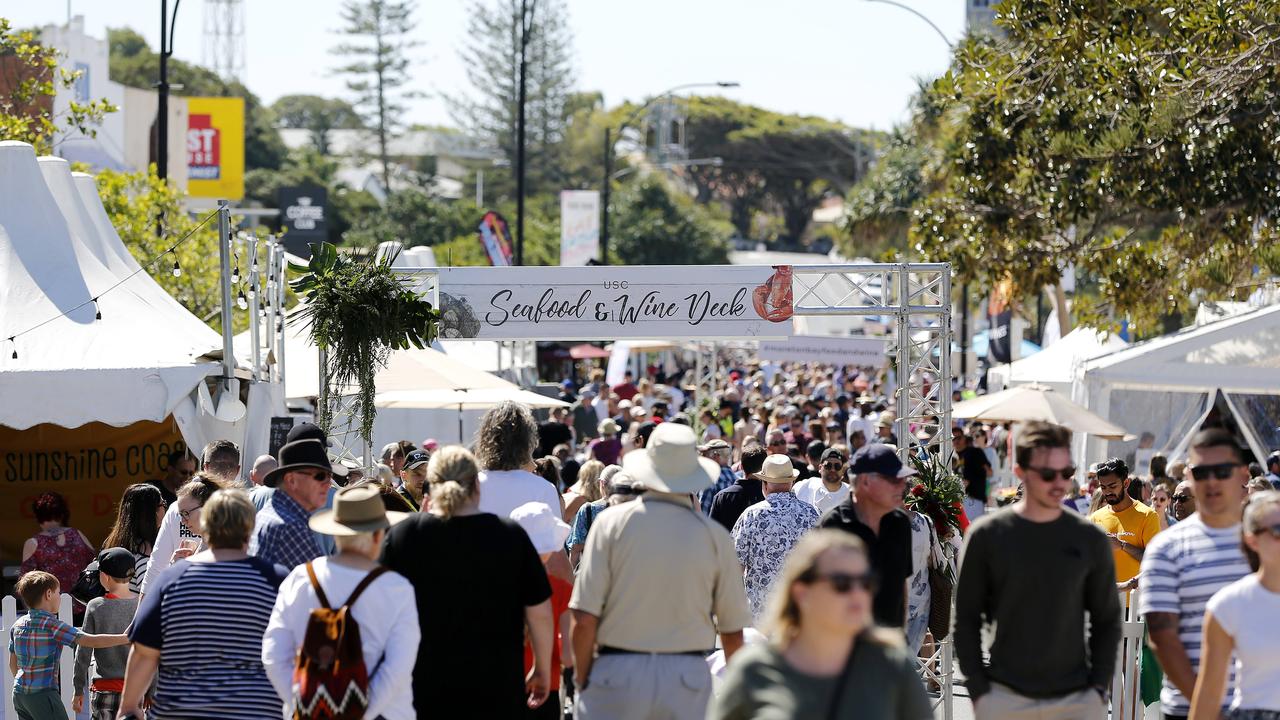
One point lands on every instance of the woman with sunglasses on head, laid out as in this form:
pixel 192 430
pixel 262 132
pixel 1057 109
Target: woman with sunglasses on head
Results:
pixel 825 658
pixel 1160 502
pixel 1240 621
pixel 180 532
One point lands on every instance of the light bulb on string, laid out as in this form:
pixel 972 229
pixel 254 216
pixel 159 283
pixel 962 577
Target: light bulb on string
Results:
pixel 241 301
pixel 15 348
pixel 177 269
pixel 97 311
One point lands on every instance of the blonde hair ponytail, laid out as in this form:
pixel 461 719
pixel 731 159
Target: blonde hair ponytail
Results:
pixel 452 475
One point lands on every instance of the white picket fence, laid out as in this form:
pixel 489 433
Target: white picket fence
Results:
pixel 939 668
pixel 66 665
pixel 1126 688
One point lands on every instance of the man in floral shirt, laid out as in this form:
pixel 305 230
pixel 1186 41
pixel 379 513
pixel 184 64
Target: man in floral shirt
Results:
pixel 766 531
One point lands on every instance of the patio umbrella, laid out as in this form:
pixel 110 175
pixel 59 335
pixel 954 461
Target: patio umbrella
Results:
pixel 477 399
pixel 587 351
pixel 1038 402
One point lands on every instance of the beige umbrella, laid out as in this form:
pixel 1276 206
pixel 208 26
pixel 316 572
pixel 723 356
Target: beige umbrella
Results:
pixel 1038 402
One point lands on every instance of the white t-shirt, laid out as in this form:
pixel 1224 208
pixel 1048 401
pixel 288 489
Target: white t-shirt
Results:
pixel 502 491
pixel 1248 612
pixel 812 491
pixel 387 613
pixel 168 538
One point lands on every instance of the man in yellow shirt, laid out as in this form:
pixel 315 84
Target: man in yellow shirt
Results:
pixel 1128 523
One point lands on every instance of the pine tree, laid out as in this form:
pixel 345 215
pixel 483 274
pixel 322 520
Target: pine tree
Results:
pixel 492 56
pixel 379 69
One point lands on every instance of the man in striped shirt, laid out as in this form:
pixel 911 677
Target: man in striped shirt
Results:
pixel 1186 564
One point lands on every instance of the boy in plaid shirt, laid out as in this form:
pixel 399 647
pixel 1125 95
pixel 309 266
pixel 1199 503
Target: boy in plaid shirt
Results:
pixel 35 642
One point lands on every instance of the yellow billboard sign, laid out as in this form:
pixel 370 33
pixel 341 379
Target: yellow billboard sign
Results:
pixel 215 147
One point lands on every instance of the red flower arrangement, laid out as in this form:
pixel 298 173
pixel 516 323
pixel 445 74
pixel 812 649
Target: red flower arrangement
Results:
pixel 938 495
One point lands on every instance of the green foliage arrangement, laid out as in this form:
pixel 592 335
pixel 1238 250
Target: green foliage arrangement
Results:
pixel 358 312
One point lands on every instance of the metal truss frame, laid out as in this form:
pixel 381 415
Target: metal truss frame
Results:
pixel 917 296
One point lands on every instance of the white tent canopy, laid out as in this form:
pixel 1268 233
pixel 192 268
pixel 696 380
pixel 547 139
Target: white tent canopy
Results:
pixel 74 369
pixel 1055 365
pixel 1167 385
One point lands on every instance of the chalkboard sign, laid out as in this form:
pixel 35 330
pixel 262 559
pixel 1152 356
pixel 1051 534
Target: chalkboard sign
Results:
pixel 280 427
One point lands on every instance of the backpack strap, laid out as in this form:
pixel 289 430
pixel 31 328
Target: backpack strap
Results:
pixel 366 582
pixel 315 583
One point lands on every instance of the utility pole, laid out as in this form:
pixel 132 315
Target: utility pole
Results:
pixel 526 25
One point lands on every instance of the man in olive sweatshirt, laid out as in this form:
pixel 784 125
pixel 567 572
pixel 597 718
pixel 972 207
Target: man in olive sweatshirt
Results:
pixel 1036 572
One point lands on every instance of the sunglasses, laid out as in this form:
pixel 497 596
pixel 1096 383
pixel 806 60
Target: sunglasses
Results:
pixel 1272 530
pixel 1051 474
pixel 1221 471
pixel 1181 498
pixel 186 514
pixel 833 466
pixel 318 476
pixel 843 583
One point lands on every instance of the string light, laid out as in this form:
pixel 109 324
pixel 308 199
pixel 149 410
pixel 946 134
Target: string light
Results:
pixel 177 271
pixel 241 301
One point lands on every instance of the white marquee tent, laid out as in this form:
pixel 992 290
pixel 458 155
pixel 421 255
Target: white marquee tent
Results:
pixel 1055 365
pixel 1168 385
pixel 74 369
pixel 146 359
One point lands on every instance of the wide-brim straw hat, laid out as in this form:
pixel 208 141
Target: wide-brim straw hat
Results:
pixel 670 462
pixel 356 509
pixel 777 469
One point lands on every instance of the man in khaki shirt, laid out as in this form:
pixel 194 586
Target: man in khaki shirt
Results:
pixel 657 583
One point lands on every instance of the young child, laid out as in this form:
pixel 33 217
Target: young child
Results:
pixel 36 640
pixel 110 613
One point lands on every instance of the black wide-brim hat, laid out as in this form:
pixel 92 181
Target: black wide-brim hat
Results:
pixel 299 455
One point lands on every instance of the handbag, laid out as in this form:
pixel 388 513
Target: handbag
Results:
pixel 941 590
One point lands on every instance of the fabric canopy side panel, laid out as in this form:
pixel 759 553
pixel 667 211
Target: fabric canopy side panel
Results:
pixel 1167 415
pixel 1258 416
pixel 111 396
pixel 90 466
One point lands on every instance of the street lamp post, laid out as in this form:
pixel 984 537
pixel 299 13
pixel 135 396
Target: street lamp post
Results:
pixel 526 25
pixel 162 87
pixel 920 15
pixel 608 157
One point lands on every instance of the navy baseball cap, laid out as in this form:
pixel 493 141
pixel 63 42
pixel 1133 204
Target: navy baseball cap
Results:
pixel 880 459
pixel 417 458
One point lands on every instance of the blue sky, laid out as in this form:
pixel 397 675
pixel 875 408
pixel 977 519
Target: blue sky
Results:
pixel 850 60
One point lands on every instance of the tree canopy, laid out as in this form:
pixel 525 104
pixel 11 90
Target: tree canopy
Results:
pixel 1132 142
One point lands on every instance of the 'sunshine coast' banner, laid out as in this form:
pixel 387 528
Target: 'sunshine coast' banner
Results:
pixel 90 466
pixel 576 303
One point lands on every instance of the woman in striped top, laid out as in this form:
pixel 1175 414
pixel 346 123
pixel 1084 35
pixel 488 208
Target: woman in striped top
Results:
pixel 218 592
pixel 137 522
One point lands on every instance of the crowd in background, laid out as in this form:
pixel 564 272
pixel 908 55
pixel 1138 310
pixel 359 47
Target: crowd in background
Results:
pixel 656 551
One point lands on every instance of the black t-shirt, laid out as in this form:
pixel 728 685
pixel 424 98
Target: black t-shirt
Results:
pixel 890 553
pixel 550 434
pixel 729 503
pixel 973 467
pixel 170 497
pixel 473 575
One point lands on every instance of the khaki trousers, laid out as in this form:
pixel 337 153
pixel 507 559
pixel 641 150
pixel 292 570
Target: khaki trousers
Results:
pixel 645 687
pixel 1002 703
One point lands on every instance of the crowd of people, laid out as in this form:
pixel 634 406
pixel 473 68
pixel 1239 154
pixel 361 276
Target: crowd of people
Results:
pixel 648 553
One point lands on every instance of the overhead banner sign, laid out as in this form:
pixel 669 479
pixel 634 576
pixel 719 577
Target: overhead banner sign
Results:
pixel 90 466
pixel 585 303
pixel 829 349
pixel 579 226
